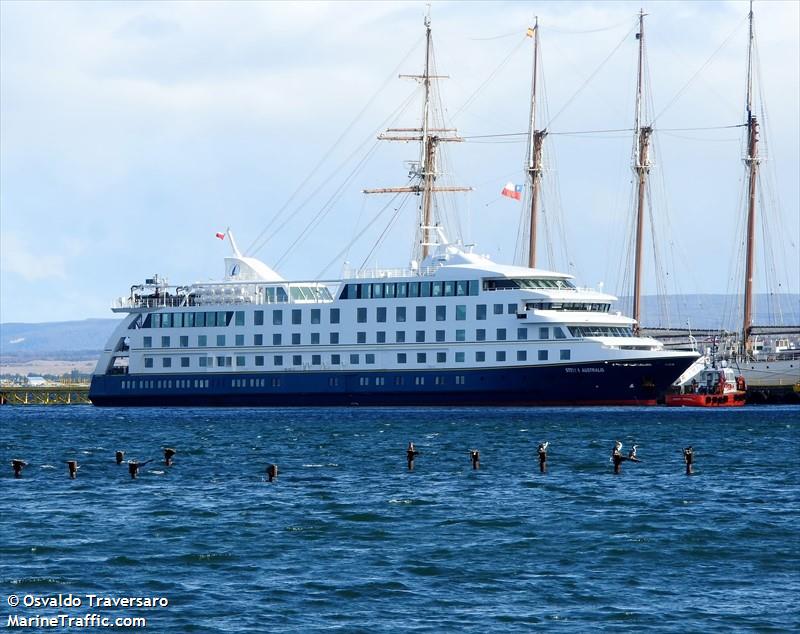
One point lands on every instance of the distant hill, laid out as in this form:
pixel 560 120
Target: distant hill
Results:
pixel 67 340
pixel 75 340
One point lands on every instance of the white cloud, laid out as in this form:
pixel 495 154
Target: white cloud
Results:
pixel 31 262
pixel 148 126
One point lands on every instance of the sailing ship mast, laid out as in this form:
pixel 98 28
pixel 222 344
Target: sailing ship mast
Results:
pixel 425 170
pixel 752 161
pixel 641 167
pixel 535 142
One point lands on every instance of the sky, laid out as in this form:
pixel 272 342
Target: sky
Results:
pixel 130 133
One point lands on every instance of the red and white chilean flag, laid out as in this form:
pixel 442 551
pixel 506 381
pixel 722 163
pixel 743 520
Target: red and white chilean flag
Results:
pixel 512 191
pixel 221 236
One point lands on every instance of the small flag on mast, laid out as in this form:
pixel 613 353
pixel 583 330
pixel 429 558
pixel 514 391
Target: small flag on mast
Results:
pixel 221 236
pixel 512 191
pixel 531 31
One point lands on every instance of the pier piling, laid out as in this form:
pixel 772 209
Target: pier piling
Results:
pixel 169 452
pixel 688 457
pixel 133 469
pixel 72 465
pixel 475 456
pixel 18 465
pixel 616 457
pixel 542 451
pixel 272 472
pixel 411 453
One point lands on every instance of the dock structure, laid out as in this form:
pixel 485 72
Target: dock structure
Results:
pixel 62 394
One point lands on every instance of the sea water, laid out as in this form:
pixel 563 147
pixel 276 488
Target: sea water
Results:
pixel 347 538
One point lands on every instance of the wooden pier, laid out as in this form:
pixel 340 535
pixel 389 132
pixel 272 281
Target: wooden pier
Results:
pixel 62 394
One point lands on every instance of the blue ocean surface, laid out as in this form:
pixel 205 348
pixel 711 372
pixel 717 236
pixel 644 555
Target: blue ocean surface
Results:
pixel 348 539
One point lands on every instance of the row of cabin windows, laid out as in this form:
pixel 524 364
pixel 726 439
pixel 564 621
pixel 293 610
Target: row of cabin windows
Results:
pixel 184 384
pixel 568 306
pixel 197 319
pixel 165 383
pixel 601 331
pixel 402 358
pixel 378 381
pixel 380 290
pixel 501 334
pixel 504 283
pixel 212 319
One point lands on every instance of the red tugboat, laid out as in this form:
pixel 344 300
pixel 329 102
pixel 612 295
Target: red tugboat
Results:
pixel 718 387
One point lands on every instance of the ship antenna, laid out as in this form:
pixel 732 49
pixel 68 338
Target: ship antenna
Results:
pixel 641 166
pixel 752 161
pixel 535 141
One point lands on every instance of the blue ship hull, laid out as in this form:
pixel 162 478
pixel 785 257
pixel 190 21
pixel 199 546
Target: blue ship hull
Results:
pixel 629 382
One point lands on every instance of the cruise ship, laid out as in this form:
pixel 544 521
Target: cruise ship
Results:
pixel 457 330
pixel 454 329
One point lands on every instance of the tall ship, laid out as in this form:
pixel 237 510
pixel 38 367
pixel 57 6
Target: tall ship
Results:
pixel 771 367
pixel 453 328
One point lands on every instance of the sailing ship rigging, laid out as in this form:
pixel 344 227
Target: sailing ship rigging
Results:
pixel 454 329
pixel 424 172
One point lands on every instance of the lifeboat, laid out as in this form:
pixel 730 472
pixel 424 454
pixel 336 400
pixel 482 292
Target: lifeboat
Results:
pixel 718 387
